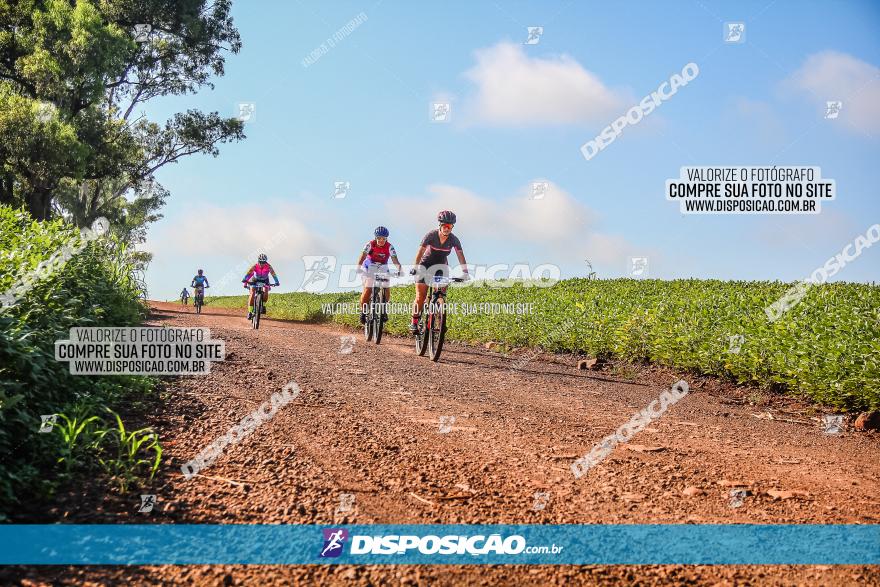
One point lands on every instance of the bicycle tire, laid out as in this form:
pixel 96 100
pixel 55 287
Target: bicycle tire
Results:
pixel 377 315
pixel 422 335
pixel 368 323
pixel 258 309
pixel 438 334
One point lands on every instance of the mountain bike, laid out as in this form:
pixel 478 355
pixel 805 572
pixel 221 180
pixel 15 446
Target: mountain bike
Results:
pixel 432 323
pixel 258 286
pixel 376 314
pixel 199 299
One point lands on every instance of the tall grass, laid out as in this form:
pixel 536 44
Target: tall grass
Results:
pixel 93 288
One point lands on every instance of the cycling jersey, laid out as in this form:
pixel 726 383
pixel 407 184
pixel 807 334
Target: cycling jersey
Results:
pixel 200 280
pixel 260 273
pixel 378 255
pixel 436 252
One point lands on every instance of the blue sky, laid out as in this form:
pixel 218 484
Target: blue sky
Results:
pixel 520 113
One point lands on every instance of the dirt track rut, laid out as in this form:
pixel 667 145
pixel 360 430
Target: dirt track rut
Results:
pixel 373 424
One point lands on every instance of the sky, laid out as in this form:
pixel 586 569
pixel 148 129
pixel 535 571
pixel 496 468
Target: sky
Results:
pixel 360 111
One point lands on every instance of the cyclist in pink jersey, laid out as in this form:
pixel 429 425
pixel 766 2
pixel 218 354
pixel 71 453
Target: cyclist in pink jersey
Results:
pixel 374 258
pixel 259 274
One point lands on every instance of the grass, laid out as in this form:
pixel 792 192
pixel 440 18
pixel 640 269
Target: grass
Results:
pixel 827 348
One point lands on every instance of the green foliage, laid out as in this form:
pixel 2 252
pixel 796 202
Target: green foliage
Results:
pixel 136 454
pixel 826 348
pixel 94 287
pixel 72 74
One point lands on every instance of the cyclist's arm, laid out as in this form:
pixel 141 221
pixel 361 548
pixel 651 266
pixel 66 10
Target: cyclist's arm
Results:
pixel 419 255
pixel 396 262
pixel 460 254
pixel 272 272
pixel 248 275
pixel 206 283
pixel 361 259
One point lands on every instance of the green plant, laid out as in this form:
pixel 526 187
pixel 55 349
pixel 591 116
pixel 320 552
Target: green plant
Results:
pixel 78 435
pixel 132 458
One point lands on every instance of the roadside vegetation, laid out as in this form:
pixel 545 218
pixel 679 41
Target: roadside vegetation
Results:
pixel 826 348
pixel 95 287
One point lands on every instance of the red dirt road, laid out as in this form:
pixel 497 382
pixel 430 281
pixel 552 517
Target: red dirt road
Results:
pixel 368 423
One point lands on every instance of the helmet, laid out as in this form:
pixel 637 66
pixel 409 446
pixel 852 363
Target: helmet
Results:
pixel 200 272
pixel 262 258
pixel 446 217
pixel 381 231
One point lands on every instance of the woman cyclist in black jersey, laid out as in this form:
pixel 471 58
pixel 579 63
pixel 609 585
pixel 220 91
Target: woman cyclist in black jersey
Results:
pixel 431 260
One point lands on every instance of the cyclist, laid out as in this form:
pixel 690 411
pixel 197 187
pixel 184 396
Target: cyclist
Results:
pixel 259 273
pixel 184 297
pixel 374 258
pixel 200 282
pixel 431 260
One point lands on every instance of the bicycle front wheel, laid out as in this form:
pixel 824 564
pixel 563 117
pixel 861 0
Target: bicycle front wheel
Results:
pixel 438 331
pixel 258 309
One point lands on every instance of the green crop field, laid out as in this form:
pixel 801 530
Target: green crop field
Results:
pixel 826 348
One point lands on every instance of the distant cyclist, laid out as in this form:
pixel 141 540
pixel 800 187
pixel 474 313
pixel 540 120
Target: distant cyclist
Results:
pixel 374 258
pixel 200 282
pixel 259 274
pixel 431 260
pixel 184 297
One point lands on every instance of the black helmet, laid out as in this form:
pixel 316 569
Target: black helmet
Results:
pixel 200 271
pixel 446 217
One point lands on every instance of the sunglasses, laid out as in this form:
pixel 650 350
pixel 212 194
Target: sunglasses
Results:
pixel 449 226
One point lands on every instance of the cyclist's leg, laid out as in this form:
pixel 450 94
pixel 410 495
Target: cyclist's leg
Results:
pixel 265 297
pixel 251 302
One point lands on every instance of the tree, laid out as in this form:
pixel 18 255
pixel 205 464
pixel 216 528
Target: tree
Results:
pixel 73 72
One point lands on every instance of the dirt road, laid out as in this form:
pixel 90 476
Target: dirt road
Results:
pixel 376 423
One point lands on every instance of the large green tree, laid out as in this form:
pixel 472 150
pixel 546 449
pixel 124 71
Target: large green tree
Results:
pixel 72 75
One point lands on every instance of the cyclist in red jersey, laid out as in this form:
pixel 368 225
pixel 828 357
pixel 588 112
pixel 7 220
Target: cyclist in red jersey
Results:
pixel 259 274
pixel 375 258
pixel 431 260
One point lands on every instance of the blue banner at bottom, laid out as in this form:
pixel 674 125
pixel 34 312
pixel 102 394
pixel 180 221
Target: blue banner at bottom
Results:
pixel 178 544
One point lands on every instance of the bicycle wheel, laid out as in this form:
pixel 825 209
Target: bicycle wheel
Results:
pixel 368 324
pixel 438 330
pixel 422 335
pixel 198 306
pixel 258 309
pixel 378 306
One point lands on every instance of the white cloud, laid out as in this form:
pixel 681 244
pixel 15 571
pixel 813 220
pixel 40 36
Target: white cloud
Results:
pixel 513 89
pixel 555 229
pixel 831 75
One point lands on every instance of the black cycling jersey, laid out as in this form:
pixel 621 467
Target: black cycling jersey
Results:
pixel 436 252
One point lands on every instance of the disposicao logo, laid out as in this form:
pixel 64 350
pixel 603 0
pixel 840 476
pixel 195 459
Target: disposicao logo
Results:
pixel 334 538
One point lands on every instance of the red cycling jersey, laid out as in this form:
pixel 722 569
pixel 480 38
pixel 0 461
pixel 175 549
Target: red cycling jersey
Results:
pixel 377 254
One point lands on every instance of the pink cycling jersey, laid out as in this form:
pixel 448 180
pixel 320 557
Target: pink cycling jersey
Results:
pixel 259 272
